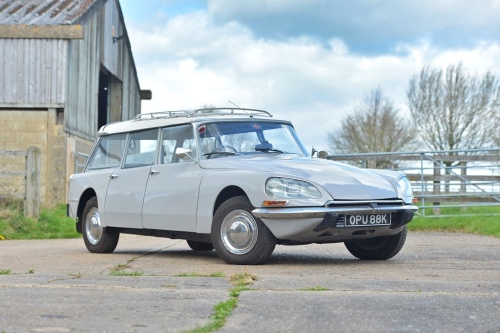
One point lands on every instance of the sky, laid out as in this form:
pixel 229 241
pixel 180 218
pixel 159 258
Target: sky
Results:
pixel 308 61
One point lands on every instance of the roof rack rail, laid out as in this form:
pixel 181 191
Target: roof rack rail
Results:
pixel 203 112
pixel 230 111
pixel 161 114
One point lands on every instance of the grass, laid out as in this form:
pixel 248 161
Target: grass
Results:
pixel 475 220
pixel 53 223
pixel 215 274
pixel 5 272
pixel 121 270
pixel 224 309
pixel 317 288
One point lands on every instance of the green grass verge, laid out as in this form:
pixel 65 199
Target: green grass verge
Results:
pixel 475 220
pixel 53 223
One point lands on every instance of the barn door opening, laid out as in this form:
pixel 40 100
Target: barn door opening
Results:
pixel 103 99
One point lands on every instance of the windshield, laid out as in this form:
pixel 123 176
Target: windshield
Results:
pixel 245 138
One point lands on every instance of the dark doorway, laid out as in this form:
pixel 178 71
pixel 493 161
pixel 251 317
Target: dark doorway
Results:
pixel 103 100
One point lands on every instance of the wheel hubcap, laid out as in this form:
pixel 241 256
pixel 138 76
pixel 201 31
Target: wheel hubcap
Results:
pixel 239 232
pixel 93 227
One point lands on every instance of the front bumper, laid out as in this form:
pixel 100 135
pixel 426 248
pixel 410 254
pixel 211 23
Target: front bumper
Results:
pixel 326 224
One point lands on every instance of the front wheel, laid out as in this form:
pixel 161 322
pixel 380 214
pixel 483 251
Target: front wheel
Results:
pixel 378 248
pixel 239 237
pixel 95 236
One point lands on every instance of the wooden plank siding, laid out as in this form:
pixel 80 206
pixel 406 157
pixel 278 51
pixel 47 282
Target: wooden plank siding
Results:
pixel 85 60
pixel 32 72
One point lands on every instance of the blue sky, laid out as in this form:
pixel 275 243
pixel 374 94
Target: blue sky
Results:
pixel 309 61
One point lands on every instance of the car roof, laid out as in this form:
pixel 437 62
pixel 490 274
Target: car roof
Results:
pixel 167 118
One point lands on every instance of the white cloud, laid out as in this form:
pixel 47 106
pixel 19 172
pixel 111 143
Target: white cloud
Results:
pixel 191 61
pixel 367 25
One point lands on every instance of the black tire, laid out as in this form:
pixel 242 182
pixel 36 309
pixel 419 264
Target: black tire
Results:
pixel 239 237
pixel 95 236
pixel 378 248
pixel 200 246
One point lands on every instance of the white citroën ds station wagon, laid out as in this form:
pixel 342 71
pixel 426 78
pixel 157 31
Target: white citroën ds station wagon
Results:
pixel 236 180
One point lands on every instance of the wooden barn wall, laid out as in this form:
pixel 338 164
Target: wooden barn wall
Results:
pixel 32 72
pixel 85 59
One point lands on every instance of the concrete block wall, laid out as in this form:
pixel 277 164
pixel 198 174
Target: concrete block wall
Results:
pixel 20 129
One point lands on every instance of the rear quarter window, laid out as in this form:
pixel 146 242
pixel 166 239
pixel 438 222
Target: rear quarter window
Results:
pixel 108 152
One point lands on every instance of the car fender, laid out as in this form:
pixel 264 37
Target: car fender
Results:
pixel 81 183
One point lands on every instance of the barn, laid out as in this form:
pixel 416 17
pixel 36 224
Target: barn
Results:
pixel 66 68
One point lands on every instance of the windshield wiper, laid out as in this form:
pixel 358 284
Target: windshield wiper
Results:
pixel 223 152
pixel 270 150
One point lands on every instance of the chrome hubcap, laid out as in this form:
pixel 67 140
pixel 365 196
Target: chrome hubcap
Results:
pixel 239 232
pixel 93 227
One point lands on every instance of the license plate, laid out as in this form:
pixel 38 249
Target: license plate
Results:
pixel 367 220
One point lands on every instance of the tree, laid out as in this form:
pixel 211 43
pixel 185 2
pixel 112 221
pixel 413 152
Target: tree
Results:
pixel 452 109
pixel 373 126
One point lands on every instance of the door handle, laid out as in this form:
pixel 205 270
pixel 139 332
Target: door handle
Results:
pixel 113 176
pixel 154 172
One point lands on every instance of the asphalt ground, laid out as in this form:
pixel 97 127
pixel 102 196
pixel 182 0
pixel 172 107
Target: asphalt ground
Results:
pixel 439 282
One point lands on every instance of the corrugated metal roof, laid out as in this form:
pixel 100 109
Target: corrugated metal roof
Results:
pixel 43 12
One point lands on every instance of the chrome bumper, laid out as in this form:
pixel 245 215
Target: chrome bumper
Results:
pixel 320 212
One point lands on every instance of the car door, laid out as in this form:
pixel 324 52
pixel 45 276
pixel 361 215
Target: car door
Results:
pixel 171 196
pixel 125 194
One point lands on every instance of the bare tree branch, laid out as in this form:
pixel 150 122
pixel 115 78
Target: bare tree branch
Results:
pixel 373 126
pixel 452 109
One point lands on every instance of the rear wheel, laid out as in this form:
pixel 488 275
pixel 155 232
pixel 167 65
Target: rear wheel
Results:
pixel 239 237
pixel 200 246
pixel 95 236
pixel 378 248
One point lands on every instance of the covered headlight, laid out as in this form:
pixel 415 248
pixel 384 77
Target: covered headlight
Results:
pixel 405 191
pixel 287 188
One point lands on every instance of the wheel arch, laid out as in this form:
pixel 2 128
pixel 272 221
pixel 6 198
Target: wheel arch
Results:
pixel 86 195
pixel 227 193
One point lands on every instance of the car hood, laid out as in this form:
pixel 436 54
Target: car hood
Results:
pixel 341 181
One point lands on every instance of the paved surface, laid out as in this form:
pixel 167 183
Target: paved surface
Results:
pixel 439 282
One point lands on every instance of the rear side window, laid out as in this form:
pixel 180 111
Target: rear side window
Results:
pixel 141 149
pixel 108 152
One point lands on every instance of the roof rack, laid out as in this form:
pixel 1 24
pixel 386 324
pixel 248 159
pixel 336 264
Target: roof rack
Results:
pixel 230 111
pixel 161 114
pixel 203 112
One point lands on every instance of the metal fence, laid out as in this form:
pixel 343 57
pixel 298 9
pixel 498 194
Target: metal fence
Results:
pixel 448 182
pixel 80 162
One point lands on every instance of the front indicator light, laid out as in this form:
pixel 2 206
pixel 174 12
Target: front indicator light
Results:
pixel 274 203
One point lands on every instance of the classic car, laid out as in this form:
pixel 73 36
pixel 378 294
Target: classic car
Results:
pixel 235 180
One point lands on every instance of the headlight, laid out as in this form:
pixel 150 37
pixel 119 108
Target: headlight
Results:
pixel 405 191
pixel 286 188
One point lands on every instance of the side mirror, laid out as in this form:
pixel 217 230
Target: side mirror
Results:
pixel 184 154
pixel 323 154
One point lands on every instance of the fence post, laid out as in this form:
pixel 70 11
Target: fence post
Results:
pixel 436 188
pixel 32 183
pixel 463 185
